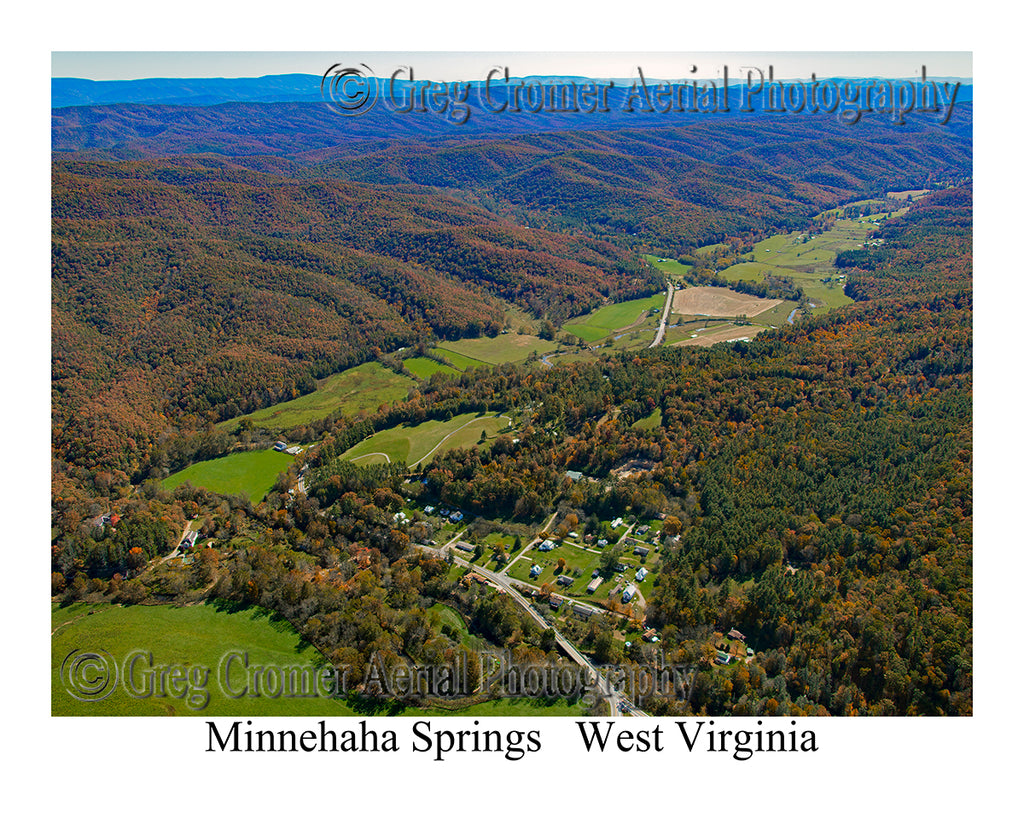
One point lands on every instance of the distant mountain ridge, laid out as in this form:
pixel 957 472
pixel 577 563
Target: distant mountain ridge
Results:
pixel 72 91
pixel 66 92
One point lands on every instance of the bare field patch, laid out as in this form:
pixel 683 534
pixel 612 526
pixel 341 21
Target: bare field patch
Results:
pixel 744 333
pixel 719 301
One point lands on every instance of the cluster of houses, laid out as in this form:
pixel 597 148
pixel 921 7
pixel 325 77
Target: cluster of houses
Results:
pixel 453 515
pixel 581 610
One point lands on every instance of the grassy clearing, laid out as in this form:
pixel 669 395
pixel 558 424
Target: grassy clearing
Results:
pixel 360 388
pixel 247 473
pixel 411 444
pixel 423 368
pixel 502 349
pixel 670 266
pixel 652 421
pixel 196 637
pixel 606 320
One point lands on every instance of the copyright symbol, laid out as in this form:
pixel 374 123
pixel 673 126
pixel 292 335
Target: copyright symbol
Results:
pixel 89 676
pixel 349 91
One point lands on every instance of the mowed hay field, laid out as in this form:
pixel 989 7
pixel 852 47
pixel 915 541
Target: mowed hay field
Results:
pixel 247 473
pixel 412 444
pixel 719 301
pixel 196 638
pixel 502 349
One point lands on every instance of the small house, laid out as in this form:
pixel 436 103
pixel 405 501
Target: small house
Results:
pixel 628 593
pixel 641 573
pixel 593 585
pixel 581 611
pixel 535 571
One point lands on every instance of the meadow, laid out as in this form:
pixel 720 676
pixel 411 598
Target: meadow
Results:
pixel 807 259
pixel 502 349
pixel 675 269
pixel 604 321
pixel 423 367
pixel 247 473
pixel 199 640
pixel 413 444
pixel 219 660
pixel 358 389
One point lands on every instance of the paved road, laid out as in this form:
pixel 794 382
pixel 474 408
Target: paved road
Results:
pixel 606 691
pixel 664 318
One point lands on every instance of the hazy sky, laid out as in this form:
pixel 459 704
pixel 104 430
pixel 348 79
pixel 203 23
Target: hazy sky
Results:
pixel 439 65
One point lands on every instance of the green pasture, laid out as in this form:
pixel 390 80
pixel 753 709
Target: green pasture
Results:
pixel 458 360
pixel 604 321
pixel 354 390
pixel 412 443
pixel 247 473
pixel 423 367
pixel 809 262
pixel 652 421
pixel 194 638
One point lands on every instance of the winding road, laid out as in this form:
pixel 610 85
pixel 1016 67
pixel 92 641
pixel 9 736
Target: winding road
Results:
pixel 617 703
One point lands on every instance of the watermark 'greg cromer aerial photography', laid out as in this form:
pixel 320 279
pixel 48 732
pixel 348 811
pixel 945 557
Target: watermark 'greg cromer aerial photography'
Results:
pixel 355 90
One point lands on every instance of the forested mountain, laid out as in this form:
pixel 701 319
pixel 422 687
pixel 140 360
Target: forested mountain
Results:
pixel 209 261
